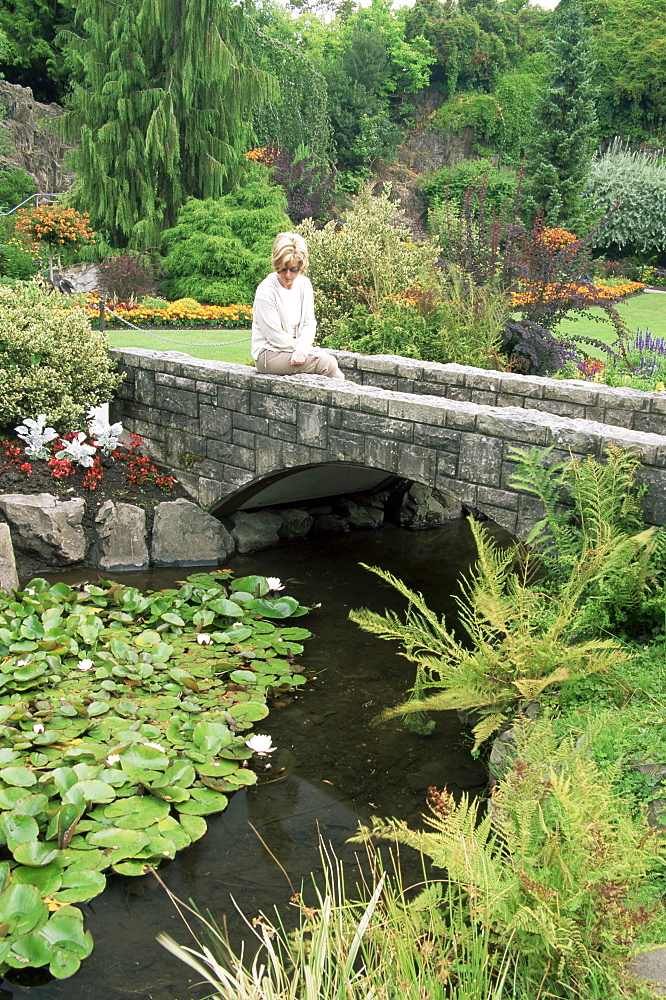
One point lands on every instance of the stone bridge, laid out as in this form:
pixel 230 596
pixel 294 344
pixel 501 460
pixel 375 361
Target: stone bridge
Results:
pixel 240 440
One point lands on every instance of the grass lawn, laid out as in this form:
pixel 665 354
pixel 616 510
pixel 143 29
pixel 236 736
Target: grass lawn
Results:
pixel 642 312
pixel 189 341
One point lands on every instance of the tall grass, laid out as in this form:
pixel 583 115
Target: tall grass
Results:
pixel 382 941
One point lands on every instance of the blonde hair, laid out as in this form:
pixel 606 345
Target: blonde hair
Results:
pixel 289 249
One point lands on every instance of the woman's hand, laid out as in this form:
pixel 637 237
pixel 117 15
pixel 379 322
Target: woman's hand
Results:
pixel 297 358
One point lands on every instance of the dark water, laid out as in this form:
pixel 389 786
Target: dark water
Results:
pixel 332 769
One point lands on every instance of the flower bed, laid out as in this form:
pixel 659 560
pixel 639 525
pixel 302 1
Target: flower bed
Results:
pixel 181 313
pixel 601 290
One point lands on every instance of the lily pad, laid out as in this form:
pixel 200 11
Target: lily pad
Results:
pixel 203 802
pixel 120 842
pixel 137 812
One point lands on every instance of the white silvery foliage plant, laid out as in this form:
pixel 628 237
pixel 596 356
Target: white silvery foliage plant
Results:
pixel 632 187
pixel 106 435
pixel 36 435
pixel 78 452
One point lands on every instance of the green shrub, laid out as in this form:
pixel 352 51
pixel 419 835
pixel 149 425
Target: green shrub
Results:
pixel 451 183
pixel 15 185
pixel 219 251
pixel 632 188
pixel 17 260
pixel 364 260
pixel 51 361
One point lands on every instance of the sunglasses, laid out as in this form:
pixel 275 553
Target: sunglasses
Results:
pixel 294 270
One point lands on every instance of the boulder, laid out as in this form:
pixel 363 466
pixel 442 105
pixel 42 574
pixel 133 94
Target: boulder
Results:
pixel 423 507
pixel 121 537
pixel 295 523
pixel 363 517
pixel 8 575
pixel 330 522
pixel 47 529
pixel 252 532
pixel 185 535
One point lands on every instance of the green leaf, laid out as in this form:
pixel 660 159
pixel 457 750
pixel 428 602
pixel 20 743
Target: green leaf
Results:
pixel 281 607
pixel 80 885
pixel 140 755
pixel 35 853
pixel 19 775
pixel 194 826
pixel 119 842
pixel 203 802
pixel 137 812
pixel 173 619
pixel 47 879
pixel 18 829
pixel 210 737
pixel 226 608
pixel 22 908
pixel 92 790
pixel 31 949
pixel 250 585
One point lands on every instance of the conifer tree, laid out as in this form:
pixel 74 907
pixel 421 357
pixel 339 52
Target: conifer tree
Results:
pixel 162 104
pixel 565 123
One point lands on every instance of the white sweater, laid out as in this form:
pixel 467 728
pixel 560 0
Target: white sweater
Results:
pixel 270 326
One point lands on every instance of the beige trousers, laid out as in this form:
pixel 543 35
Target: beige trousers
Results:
pixel 317 362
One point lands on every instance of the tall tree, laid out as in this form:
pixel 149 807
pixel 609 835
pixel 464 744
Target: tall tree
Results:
pixel 162 102
pixel 565 122
pixel 31 56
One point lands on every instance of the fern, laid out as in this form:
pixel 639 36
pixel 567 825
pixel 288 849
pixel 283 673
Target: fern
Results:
pixel 555 865
pixel 523 640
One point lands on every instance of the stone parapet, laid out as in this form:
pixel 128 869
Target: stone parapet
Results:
pixel 223 427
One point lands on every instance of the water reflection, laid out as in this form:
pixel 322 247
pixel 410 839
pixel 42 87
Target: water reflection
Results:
pixel 331 770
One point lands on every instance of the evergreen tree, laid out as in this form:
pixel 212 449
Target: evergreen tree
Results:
pixel 162 103
pixel 30 56
pixel 565 123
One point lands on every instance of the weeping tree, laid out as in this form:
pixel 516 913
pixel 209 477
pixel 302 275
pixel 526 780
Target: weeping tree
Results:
pixel 162 102
pixel 564 128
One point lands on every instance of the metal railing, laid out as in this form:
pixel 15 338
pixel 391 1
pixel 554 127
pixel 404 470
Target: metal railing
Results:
pixel 47 197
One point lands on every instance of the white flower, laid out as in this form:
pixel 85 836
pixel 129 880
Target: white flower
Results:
pixel 113 758
pixel 23 663
pixel 28 590
pixel 203 639
pixel 274 583
pixel 262 745
pixel 38 728
pixel 85 664
pixel 155 746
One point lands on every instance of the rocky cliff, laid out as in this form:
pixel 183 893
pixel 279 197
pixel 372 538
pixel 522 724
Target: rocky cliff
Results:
pixel 38 149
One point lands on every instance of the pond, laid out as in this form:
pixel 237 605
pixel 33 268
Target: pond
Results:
pixel 332 768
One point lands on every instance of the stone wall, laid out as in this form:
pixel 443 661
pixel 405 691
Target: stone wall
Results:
pixel 629 408
pixel 221 426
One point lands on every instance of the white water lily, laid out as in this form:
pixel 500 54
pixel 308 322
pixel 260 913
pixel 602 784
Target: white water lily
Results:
pixel 22 663
pixel 262 745
pixel 274 583
pixel 113 758
pixel 204 639
pixel 38 728
pixel 30 591
pixel 155 746
pixel 85 664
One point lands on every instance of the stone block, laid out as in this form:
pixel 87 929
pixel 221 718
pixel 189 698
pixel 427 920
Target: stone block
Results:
pixel 380 380
pixel 273 407
pixel 185 535
pixel 462 417
pixel 374 404
pixel 9 580
pixel 175 382
pixel 244 439
pixel 386 427
pixel 295 455
pixel 144 388
pixel 519 385
pixel 177 401
pixel 226 451
pixel 507 519
pixel 572 392
pixel 650 423
pixel 381 453
pixel 215 422
pixel 256 425
pixel 254 531
pixel 210 493
pixel 441 438
pixel 447 464
pixel 464 492
pixel 497 498
pixel 524 426
pixel 48 529
pixel 347 446
pixel 183 450
pixel 121 537
pixel 278 430
pixel 416 409
pixel 621 418
pixel 480 459
pixel 460 393
pixel 559 407
pixel 233 399
pixel 311 424
pixel 483 397
pixel 417 462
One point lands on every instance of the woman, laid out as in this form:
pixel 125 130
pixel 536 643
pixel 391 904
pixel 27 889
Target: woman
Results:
pixel 283 324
